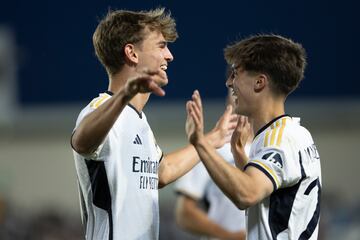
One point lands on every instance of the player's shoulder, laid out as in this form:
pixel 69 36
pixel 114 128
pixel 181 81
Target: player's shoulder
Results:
pixel 272 134
pixel 280 132
pixel 94 103
pixel 97 101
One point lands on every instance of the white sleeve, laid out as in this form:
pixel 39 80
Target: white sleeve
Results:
pixel 280 164
pixel 96 154
pixel 193 183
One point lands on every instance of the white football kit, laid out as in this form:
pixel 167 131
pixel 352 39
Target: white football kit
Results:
pixel 198 185
pixel 285 152
pixel 118 183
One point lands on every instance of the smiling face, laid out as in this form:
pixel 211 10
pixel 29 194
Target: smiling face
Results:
pixel 241 84
pixel 153 54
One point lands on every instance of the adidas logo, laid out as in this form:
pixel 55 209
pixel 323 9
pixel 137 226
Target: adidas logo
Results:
pixel 137 140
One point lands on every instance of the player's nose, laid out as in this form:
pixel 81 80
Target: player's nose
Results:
pixel 168 56
pixel 229 82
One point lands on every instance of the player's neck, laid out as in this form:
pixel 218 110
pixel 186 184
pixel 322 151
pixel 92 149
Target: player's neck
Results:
pixel 118 81
pixel 267 112
pixel 139 101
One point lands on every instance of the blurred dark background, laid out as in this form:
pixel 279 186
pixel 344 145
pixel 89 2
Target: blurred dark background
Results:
pixel 56 61
pixel 48 72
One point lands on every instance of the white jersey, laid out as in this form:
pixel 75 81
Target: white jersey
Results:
pixel 198 185
pixel 118 183
pixel 285 152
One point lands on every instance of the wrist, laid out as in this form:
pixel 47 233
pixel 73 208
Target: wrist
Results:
pixel 128 93
pixel 199 141
pixel 211 138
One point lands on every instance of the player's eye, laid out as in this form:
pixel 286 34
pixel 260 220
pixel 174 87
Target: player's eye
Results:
pixel 234 73
pixel 162 45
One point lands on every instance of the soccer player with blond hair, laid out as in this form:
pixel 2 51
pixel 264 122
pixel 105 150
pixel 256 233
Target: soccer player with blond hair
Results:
pixel 119 165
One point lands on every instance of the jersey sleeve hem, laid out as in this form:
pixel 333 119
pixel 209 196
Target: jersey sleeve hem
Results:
pixel 162 156
pixel 266 171
pixel 186 194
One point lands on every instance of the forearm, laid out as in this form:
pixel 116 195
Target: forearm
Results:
pixel 193 219
pixel 93 129
pixel 176 164
pixel 240 158
pixel 179 162
pixel 235 184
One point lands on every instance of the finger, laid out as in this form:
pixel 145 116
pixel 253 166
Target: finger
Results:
pixel 232 126
pixel 194 115
pixel 187 106
pixel 159 76
pixel 234 117
pixel 239 123
pixel 197 99
pixel 188 110
pixel 195 119
pixel 148 71
pixel 245 121
pixel 227 139
pixel 156 89
pixel 196 110
pixel 228 111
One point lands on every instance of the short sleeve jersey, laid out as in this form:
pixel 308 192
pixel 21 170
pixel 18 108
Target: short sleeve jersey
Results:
pixel 198 185
pixel 285 152
pixel 118 183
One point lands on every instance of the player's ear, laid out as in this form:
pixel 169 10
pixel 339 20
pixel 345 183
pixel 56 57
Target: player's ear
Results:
pixel 260 82
pixel 131 54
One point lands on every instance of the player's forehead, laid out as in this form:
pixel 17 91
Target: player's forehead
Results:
pixel 153 36
pixel 235 67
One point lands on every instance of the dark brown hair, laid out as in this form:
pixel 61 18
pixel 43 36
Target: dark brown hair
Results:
pixel 281 59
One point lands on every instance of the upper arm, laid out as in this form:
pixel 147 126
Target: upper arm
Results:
pixel 185 205
pixel 273 167
pixel 262 184
pixel 190 189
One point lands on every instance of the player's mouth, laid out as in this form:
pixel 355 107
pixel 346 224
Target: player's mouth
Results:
pixel 163 67
pixel 233 93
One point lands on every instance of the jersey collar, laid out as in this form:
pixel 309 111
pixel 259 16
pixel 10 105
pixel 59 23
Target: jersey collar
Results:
pixel 139 113
pixel 269 123
pixel 109 92
pixel 129 104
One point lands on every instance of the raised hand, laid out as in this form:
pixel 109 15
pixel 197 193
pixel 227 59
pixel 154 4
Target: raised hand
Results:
pixel 194 126
pixel 239 139
pixel 147 81
pixel 223 129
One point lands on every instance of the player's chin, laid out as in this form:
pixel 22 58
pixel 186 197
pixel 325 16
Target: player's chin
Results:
pixel 163 82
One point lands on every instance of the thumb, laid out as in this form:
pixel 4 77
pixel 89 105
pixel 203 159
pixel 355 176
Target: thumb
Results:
pixel 241 122
pixel 188 103
pixel 228 111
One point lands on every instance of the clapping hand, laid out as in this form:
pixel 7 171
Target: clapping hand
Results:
pixel 239 139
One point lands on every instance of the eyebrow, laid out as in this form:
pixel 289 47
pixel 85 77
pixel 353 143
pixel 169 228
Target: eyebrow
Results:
pixel 162 43
pixel 234 67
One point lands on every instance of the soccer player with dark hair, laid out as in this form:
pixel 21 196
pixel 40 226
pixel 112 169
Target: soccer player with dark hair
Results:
pixel 280 182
